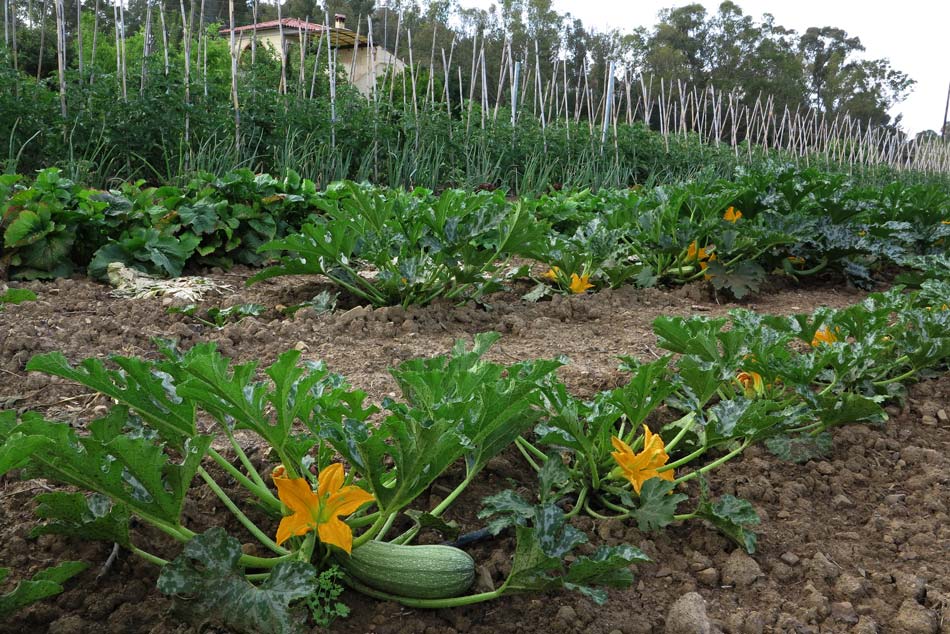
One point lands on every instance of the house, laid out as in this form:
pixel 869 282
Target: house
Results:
pixel 361 65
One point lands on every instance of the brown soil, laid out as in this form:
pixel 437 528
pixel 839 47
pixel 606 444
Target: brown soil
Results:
pixel 857 543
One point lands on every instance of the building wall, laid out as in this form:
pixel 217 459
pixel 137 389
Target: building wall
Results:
pixel 361 74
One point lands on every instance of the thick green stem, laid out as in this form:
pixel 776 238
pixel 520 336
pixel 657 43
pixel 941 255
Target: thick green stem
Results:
pixel 595 514
pixel 683 517
pixel 684 460
pixel 428 604
pixel 527 457
pixel 248 465
pixel 385 529
pixel 543 457
pixel 263 493
pixel 245 521
pixel 896 379
pixel 578 505
pixel 687 422
pixel 370 533
pixel 440 508
pixel 715 463
pixel 179 533
pixel 250 561
pixel 363 520
pixel 149 557
pixel 612 506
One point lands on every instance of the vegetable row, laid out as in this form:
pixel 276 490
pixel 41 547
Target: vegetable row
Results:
pixel 626 454
pixel 388 247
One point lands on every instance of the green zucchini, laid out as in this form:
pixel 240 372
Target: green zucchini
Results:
pixel 418 572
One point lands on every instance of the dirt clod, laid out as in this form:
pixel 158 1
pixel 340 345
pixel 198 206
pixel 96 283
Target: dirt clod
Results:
pixel 687 615
pixel 740 570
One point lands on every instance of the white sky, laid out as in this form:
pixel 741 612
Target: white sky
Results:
pixel 912 34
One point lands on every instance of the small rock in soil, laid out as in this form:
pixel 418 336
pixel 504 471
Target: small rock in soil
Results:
pixel 790 558
pixel 687 615
pixel 914 618
pixel 843 612
pixel 821 566
pixel 911 586
pixel 708 577
pixel 754 623
pixel 851 586
pixel 567 613
pixel 866 625
pixel 740 570
pixel 942 416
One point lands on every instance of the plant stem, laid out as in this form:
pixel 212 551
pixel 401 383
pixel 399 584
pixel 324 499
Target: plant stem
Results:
pixel 595 514
pixel 245 521
pixel 385 529
pixel 430 604
pixel 578 505
pixel 687 422
pixel 147 556
pixel 527 456
pixel 896 379
pixel 370 533
pixel 251 471
pixel 263 493
pixel 683 460
pixel 364 520
pixel 712 465
pixel 527 445
pixel 683 517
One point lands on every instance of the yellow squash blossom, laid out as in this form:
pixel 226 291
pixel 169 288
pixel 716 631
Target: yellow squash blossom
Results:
pixel 794 259
pixel 732 215
pixel 640 467
pixel 580 284
pixel 945 222
pixel 551 274
pixel 751 383
pixel 320 510
pixel 705 265
pixel 824 336
pixel 695 252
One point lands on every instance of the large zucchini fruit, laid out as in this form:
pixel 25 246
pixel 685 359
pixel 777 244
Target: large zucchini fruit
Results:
pixel 418 572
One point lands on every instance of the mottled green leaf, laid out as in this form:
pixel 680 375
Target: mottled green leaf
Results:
pixel 209 586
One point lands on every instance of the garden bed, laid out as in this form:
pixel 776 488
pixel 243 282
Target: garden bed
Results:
pixel 856 542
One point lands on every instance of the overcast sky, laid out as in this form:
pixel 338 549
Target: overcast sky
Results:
pixel 912 34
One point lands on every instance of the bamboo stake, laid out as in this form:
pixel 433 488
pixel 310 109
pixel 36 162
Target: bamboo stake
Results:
pixel 61 55
pixel 186 36
pixel 234 80
pixel 254 33
pixel 146 49
pixel 79 60
pixel 39 61
pixel 316 61
pixel 607 106
pixel 161 14
pixel 282 89
pixel 125 90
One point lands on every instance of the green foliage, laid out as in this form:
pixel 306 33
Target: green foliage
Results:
pixel 209 586
pixel 45 583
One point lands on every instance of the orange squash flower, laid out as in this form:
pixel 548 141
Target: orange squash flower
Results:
pixel 732 215
pixel 752 384
pixel 580 284
pixel 640 467
pixel 551 274
pixel 824 336
pixel 319 511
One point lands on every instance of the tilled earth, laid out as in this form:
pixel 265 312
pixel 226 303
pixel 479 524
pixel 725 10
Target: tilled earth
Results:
pixel 859 542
